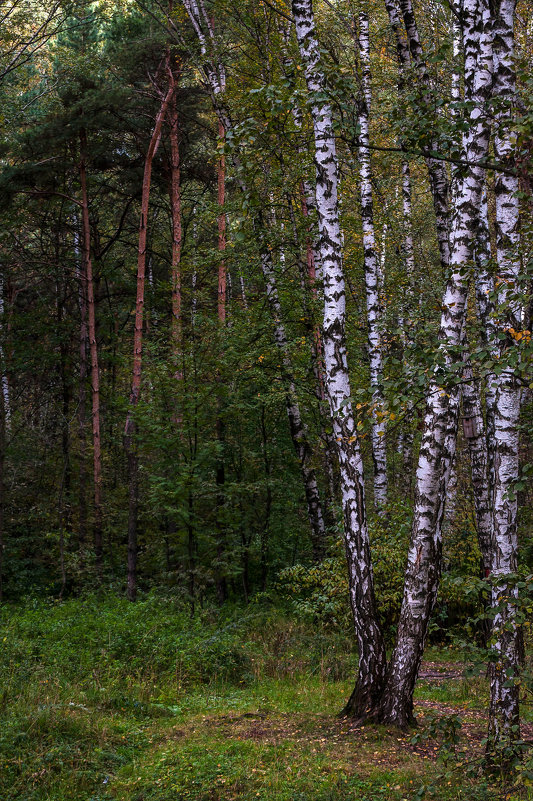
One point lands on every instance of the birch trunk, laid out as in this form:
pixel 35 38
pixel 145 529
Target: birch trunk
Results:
pixel 130 428
pixel 372 657
pixel 379 450
pixel 297 428
pixel 474 429
pixel 504 691
pixel 440 423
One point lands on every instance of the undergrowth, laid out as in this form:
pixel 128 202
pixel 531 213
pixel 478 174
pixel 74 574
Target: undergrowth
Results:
pixel 105 700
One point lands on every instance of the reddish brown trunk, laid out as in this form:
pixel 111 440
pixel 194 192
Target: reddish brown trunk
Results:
pixel 2 493
pixel 221 179
pixel 175 206
pixel 129 430
pixel 82 412
pixel 95 375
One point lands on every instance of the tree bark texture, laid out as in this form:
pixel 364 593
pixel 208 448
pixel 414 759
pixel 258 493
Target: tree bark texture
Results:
pixel 504 691
pixel 372 658
pixel 373 307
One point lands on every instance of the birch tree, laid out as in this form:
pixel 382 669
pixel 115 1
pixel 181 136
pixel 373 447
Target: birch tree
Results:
pixel 379 448
pixel 504 703
pixel 372 658
pixel 440 422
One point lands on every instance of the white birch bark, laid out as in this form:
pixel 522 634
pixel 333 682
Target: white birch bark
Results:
pixel 372 658
pixel 504 703
pixel 474 430
pixel 378 431
pixel 440 423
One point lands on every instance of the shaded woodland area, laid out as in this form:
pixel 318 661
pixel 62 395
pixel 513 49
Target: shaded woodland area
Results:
pixel 266 399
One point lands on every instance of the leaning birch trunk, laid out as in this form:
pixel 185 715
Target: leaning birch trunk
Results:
pixel 379 450
pixel 440 423
pixel 504 691
pixel 307 202
pixel 297 428
pixel 372 657
pixel 215 77
pixel 129 429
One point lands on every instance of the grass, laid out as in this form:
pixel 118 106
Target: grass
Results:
pixel 104 700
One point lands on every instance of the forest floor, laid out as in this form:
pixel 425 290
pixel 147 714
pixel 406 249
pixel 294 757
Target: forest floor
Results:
pixel 102 701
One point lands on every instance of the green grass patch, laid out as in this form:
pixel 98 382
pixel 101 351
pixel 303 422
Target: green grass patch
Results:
pixel 103 700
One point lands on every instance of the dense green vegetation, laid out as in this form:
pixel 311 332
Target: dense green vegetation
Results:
pixel 106 700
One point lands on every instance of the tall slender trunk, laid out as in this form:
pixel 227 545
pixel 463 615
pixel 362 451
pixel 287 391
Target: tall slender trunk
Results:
pixel 504 691
pixel 82 406
pixel 221 583
pixel 2 491
pixel 372 658
pixel 440 423
pixel 308 278
pixel 474 430
pixel 379 449
pixel 265 531
pixel 64 499
pixel 408 253
pixel 296 425
pixel 93 347
pixel 3 366
pixel 175 210
pixel 130 427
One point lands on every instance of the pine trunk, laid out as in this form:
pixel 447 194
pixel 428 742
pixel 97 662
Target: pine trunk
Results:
pixel 93 350
pixel 130 427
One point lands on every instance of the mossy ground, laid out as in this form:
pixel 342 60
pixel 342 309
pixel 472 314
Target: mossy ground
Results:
pixel 104 701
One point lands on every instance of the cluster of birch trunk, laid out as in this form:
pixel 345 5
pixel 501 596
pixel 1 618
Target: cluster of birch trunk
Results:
pixel 484 82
